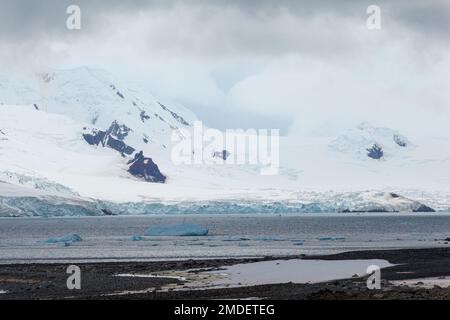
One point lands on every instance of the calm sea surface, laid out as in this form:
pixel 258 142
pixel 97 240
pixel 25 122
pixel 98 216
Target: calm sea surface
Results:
pixel 110 238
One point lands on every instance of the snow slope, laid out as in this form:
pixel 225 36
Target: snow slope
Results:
pixel 43 118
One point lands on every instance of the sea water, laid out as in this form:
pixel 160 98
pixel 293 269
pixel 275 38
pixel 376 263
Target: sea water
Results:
pixel 120 238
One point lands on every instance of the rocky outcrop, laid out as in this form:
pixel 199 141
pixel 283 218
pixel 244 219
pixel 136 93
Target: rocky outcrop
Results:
pixel 144 116
pixel 400 141
pixel 375 152
pixel 224 154
pixel 140 166
pixel 120 131
pixel 145 168
pixel 113 138
pixel 177 117
pixel 423 208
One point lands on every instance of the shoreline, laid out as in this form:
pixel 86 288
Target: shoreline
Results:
pixel 100 280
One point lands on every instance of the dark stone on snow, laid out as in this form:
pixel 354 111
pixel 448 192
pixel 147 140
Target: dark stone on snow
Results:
pixel 143 167
pixel 375 152
pixel 35 106
pixel 120 94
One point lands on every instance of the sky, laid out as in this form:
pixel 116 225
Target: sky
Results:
pixel 304 67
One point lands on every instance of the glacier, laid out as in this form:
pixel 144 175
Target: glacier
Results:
pixel 369 201
pixel 48 168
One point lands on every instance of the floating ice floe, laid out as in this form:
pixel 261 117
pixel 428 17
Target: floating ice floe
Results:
pixel 66 240
pixel 236 238
pixel 137 238
pixel 332 239
pixel 269 238
pixel 182 229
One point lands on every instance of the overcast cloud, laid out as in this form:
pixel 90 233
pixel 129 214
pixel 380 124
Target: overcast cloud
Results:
pixel 302 66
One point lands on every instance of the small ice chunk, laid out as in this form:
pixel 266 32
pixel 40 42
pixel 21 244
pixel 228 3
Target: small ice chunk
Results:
pixel 136 238
pixel 66 240
pixel 269 238
pixel 182 229
pixel 332 239
pixel 236 238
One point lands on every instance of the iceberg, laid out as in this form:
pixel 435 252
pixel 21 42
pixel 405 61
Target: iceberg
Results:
pixel 66 240
pixel 182 229
pixel 136 238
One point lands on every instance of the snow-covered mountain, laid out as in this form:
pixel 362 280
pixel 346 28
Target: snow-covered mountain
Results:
pixel 82 142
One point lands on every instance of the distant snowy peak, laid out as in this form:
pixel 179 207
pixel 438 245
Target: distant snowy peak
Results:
pixel 369 142
pixel 103 110
pixel 96 98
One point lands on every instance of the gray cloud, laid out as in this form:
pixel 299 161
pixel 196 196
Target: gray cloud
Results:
pixel 217 27
pixel 250 62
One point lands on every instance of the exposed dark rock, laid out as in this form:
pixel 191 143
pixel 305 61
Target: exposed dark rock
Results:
pixel 120 131
pixel 140 166
pixel 94 119
pixel 375 152
pixel 394 195
pixel 120 94
pixel 107 212
pixel 120 146
pixel 159 117
pixel 143 167
pixel 177 117
pixel 47 77
pixel 424 208
pixel 35 106
pixel 400 141
pixel 112 138
pixel 145 138
pixel 95 138
pixel 144 116
pixel 224 154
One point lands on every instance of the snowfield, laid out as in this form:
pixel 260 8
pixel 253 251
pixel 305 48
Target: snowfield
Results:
pixel 47 167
